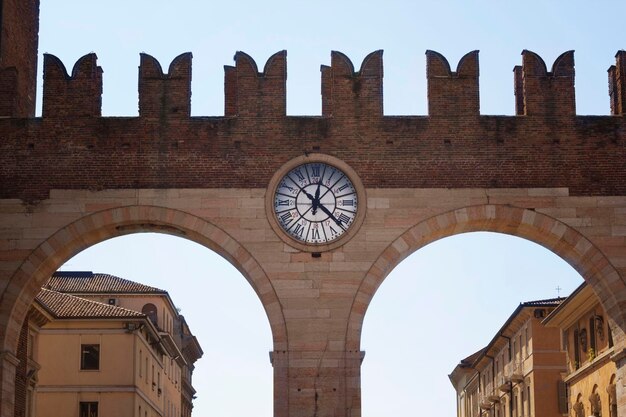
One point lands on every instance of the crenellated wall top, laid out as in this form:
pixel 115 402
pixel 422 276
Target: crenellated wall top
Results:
pixel 345 92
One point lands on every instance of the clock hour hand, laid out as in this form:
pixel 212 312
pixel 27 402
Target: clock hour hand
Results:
pixel 325 210
pixel 308 195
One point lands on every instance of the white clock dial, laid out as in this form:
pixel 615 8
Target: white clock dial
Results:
pixel 315 203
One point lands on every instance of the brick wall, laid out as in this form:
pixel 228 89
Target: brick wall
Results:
pixel 71 146
pixel 18 57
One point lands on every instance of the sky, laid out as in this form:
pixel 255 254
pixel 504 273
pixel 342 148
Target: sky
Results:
pixel 475 281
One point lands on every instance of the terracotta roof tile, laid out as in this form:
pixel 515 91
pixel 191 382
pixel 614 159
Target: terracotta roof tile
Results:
pixel 66 306
pixel 550 302
pixel 86 282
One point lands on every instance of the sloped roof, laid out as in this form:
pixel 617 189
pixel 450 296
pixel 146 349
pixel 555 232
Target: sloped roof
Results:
pixel 66 306
pixel 469 361
pixel 548 302
pixel 86 282
pixel 582 293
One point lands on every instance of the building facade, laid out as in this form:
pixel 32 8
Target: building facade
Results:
pixel 517 373
pixel 99 345
pixel 590 376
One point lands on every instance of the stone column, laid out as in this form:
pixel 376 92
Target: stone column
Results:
pixel 354 359
pixel 280 362
pixel 620 380
pixel 317 383
pixel 8 364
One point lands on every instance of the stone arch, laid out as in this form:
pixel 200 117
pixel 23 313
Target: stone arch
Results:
pixel 96 227
pixel 549 232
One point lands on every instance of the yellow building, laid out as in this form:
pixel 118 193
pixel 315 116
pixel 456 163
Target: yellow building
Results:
pixel 99 345
pixel 586 340
pixel 517 373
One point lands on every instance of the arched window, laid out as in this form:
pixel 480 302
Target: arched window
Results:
pixel 594 401
pixel 579 408
pixel 151 311
pixel 611 390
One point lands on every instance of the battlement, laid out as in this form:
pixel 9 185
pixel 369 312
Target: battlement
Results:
pixel 165 95
pixel 452 93
pixel 346 93
pixel 617 84
pixel 544 145
pixel 77 95
pixel 538 91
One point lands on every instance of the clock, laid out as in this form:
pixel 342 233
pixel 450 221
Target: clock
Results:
pixel 315 203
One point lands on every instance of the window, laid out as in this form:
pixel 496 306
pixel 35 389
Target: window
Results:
pixel 31 345
pixel 140 362
pixel 527 342
pixel 514 350
pixel 592 336
pixel 576 350
pixel 88 409
pixel 150 310
pixel 89 358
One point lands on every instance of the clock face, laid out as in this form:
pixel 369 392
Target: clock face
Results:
pixel 315 203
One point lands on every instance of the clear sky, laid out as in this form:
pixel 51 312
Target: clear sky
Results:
pixel 474 281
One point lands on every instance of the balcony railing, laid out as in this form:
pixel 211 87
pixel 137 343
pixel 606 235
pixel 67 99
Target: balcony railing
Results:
pixel 503 383
pixel 483 401
pixel 488 397
pixel 516 371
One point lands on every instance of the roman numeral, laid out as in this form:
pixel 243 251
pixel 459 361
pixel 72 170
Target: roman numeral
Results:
pixel 315 234
pixel 343 218
pixel 291 189
pixel 347 202
pixel 283 202
pixel 299 174
pixel 299 230
pixel 315 170
pixel 333 231
pixel 286 218
pixel 343 187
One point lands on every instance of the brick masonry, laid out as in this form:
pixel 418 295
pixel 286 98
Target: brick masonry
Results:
pixel 72 178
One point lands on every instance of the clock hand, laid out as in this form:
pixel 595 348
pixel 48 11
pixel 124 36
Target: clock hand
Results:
pixel 308 195
pixel 325 210
pixel 316 202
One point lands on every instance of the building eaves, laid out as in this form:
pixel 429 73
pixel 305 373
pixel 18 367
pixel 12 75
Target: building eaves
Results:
pixel 550 302
pixel 86 282
pixel 67 306
pixel 469 361
pixel 192 349
pixel 565 303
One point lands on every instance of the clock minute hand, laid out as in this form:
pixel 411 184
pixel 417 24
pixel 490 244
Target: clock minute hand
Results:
pixel 325 210
pixel 316 201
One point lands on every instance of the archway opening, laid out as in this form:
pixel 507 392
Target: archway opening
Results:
pixel 219 305
pixel 440 305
